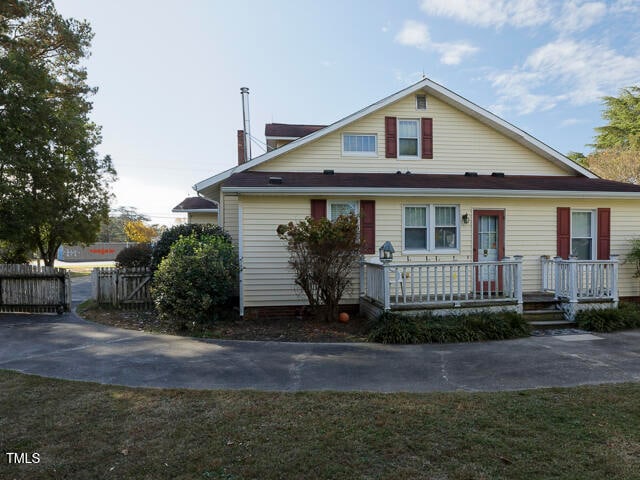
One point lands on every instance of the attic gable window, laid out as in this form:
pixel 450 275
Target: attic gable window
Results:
pixel 408 139
pixel 359 144
pixel 421 102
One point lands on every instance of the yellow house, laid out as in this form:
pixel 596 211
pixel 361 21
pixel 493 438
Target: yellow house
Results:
pixel 198 210
pixel 480 214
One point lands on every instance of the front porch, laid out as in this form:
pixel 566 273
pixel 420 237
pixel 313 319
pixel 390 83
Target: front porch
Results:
pixel 467 287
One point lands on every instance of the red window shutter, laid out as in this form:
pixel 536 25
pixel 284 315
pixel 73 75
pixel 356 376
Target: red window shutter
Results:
pixel 564 232
pixel 604 233
pixel 368 225
pixel 391 137
pixel 318 209
pixel 427 138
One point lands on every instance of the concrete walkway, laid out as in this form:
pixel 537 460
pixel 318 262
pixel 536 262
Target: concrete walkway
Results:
pixel 68 347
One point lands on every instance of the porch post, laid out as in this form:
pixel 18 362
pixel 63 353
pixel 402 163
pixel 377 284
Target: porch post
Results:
pixel 518 279
pixel 557 276
pixel 573 286
pixel 614 280
pixel 508 279
pixel 363 291
pixel 544 259
pixel 385 286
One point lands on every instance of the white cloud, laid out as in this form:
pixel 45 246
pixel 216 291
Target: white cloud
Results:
pixel 571 16
pixel 577 16
pixel 497 13
pixel 564 71
pixel 626 6
pixel 570 121
pixel 416 34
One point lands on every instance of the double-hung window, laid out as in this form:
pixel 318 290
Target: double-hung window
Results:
pixel 359 144
pixel 582 234
pixel 408 138
pixel 416 233
pixel 341 207
pixel 446 227
pixel 431 228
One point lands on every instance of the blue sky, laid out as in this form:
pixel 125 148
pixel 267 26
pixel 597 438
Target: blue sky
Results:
pixel 169 73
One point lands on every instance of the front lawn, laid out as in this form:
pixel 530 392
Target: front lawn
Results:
pixel 84 430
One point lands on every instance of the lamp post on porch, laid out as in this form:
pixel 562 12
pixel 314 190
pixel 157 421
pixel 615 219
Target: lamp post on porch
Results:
pixel 386 252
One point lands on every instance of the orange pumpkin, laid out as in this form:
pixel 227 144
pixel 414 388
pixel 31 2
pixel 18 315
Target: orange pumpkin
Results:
pixel 343 317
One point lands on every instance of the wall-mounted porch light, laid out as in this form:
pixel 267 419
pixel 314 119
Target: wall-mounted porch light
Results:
pixel 465 218
pixel 386 252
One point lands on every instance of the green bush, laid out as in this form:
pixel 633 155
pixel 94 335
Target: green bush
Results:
pixel 429 328
pixel 12 253
pixel 625 317
pixel 135 256
pixel 198 275
pixel 170 236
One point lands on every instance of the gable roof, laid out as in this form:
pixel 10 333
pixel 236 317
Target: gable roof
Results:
pixel 288 130
pixel 428 184
pixel 196 204
pixel 432 88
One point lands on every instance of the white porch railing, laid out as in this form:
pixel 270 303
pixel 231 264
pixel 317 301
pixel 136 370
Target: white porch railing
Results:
pixel 577 280
pixel 432 283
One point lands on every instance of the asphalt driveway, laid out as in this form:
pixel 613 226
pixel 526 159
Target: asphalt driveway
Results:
pixel 66 346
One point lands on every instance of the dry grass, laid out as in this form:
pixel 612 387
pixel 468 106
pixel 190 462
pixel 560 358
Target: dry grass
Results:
pixel 84 430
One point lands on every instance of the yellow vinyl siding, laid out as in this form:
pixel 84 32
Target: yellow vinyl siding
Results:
pixel 460 143
pixel 530 226
pixel 202 218
pixel 230 215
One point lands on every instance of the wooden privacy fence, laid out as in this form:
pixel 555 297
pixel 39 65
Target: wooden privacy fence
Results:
pixel 27 288
pixel 122 287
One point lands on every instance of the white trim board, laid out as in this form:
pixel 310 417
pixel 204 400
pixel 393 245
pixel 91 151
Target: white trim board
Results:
pixel 432 88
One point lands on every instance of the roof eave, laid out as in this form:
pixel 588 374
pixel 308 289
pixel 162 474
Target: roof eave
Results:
pixel 432 192
pixel 195 210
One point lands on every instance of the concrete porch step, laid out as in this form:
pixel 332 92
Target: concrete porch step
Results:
pixel 551 324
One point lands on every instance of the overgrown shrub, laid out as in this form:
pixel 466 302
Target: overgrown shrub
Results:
pixel 429 328
pixel 12 253
pixel 323 255
pixel 634 256
pixel 625 317
pixel 135 256
pixel 171 235
pixel 198 275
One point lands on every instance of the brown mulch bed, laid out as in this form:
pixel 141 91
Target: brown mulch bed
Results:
pixel 231 327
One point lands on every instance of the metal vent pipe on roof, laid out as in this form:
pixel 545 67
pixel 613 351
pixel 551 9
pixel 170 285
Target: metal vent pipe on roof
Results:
pixel 244 91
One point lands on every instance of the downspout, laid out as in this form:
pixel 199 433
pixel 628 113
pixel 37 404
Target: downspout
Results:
pixel 240 264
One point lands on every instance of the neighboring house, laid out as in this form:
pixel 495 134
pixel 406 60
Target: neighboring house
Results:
pixel 198 210
pixel 475 208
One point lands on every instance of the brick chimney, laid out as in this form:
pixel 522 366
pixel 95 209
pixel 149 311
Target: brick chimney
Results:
pixel 240 147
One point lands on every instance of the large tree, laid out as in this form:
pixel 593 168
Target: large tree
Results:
pixel 53 184
pixel 623 115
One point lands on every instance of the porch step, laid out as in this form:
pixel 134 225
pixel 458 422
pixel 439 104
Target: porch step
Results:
pixel 538 301
pixel 552 324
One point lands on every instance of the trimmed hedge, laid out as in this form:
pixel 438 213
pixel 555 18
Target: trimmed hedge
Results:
pixel 626 316
pixel 170 236
pixel 429 328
